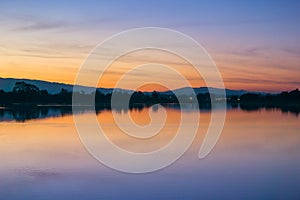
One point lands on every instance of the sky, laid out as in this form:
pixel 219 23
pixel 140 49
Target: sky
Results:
pixel 255 44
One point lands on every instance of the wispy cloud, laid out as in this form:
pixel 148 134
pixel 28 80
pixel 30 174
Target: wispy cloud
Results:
pixel 39 173
pixel 210 22
pixel 292 50
pixel 261 81
pixel 42 25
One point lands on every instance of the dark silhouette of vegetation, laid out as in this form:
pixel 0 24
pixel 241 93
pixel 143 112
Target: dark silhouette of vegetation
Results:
pixel 30 95
pixel 286 101
pixel 284 98
pixel 24 93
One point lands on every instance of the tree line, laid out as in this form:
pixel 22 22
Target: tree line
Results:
pixel 24 93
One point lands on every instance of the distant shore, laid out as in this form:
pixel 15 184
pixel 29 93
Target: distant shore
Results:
pixel 28 95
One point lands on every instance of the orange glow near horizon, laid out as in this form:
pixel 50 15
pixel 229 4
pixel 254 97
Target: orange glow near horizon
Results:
pixel 252 76
pixel 52 44
pixel 151 68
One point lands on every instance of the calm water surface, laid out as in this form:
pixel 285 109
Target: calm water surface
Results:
pixel 257 157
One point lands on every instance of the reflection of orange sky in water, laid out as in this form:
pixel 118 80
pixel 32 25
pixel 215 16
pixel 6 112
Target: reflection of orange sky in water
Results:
pixel 54 143
pixel 45 142
pixel 141 118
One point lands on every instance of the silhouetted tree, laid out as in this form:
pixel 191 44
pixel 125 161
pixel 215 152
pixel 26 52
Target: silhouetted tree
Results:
pixel 24 87
pixel 30 94
pixel 26 93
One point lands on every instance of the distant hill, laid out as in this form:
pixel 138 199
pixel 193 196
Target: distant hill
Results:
pixel 7 85
pixel 204 90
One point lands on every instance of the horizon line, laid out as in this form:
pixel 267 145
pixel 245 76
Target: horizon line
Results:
pixel 54 82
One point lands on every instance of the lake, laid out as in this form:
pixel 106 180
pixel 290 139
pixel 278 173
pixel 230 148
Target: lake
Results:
pixel 256 157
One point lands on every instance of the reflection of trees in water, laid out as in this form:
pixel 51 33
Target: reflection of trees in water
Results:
pixel 24 113
pixel 283 108
pixel 284 101
pixel 23 95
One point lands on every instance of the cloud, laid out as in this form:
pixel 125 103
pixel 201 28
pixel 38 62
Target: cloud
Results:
pixel 292 50
pixel 260 81
pixel 30 22
pixel 211 23
pixel 42 25
pixel 40 173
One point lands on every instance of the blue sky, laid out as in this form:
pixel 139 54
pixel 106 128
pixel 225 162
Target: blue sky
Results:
pixel 249 40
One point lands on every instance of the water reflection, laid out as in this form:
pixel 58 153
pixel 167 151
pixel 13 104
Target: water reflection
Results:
pixel 257 157
pixel 23 113
pixel 284 109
